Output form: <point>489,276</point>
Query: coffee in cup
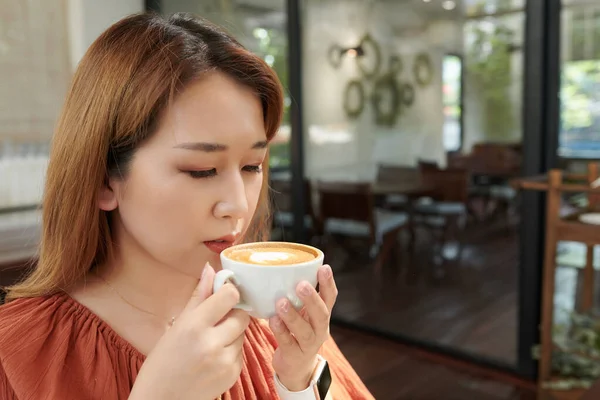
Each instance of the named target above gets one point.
<point>265,272</point>
<point>272,254</point>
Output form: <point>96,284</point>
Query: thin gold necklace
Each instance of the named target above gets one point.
<point>170,321</point>
<point>113,289</point>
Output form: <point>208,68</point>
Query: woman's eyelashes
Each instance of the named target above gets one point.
<point>253,168</point>
<point>203,174</point>
<point>208,173</point>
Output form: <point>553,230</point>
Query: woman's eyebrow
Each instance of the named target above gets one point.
<point>214,147</point>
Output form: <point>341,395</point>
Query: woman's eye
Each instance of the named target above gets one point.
<point>253,168</point>
<point>203,174</point>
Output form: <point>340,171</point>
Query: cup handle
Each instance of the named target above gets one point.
<point>221,278</point>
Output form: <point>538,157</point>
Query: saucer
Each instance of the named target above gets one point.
<point>590,218</point>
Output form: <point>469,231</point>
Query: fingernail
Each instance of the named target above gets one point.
<point>276,323</point>
<point>205,270</point>
<point>327,272</point>
<point>284,307</point>
<point>305,289</point>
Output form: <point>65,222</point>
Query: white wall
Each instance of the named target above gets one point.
<point>356,146</point>
<point>87,19</point>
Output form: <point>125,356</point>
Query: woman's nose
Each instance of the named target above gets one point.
<point>233,202</point>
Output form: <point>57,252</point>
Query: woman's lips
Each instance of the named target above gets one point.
<point>217,246</point>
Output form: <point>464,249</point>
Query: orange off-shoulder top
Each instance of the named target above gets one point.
<point>55,348</point>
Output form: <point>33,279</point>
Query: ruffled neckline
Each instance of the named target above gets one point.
<point>84,313</point>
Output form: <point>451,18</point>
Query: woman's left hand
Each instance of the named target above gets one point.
<point>300,334</point>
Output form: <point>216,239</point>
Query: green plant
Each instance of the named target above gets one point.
<point>273,49</point>
<point>488,62</point>
<point>576,354</point>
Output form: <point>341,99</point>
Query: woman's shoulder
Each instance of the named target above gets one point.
<point>32,314</point>
<point>34,323</point>
<point>21,318</point>
<point>29,325</point>
<point>55,345</point>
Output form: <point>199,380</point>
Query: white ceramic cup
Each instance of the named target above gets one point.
<point>261,286</point>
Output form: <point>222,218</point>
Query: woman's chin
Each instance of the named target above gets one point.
<point>215,262</point>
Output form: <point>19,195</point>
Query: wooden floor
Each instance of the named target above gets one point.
<point>469,306</point>
<point>395,372</point>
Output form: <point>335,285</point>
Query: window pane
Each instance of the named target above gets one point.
<point>382,107</point>
<point>452,92</point>
<point>579,135</point>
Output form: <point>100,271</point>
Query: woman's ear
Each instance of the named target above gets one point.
<point>107,198</point>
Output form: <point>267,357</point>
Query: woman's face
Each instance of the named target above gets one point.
<point>193,187</point>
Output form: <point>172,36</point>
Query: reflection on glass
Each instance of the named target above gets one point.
<point>491,7</point>
<point>272,47</point>
<point>492,65</point>
<point>452,93</point>
<point>384,138</point>
<point>596,34</point>
<point>579,135</point>
<point>580,110</point>
<point>579,36</point>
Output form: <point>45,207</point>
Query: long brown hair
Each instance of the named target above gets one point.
<point>123,83</point>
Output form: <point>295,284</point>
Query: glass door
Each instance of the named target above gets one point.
<point>413,131</point>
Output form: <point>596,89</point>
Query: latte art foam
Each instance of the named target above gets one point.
<point>268,257</point>
<point>271,255</point>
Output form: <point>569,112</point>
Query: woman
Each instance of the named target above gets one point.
<point>158,162</point>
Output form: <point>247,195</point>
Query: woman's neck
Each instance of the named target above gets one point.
<point>155,289</point>
<point>137,296</point>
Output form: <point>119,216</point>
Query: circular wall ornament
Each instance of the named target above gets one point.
<point>334,56</point>
<point>354,98</point>
<point>386,100</point>
<point>407,94</point>
<point>372,55</point>
<point>396,64</point>
<point>423,69</point>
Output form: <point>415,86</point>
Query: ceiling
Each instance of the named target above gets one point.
<point>271,13</point>
<point>402,13</point>
<point>425,7</point>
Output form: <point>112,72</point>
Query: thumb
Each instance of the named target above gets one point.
<point>204,288</point>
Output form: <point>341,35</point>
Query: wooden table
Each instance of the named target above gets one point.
<point>410,189</point>
<point>19,239</point>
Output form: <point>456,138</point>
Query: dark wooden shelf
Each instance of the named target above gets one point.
<point>20,208</point>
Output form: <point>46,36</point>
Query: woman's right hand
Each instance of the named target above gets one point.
<point>200,356</point>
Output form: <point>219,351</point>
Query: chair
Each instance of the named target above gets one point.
<point>561,227</point>
<point>492,165</point>
<point>348,209</point>
<point>281,201</point>
<point>446,212</point>
<point>396,173</point>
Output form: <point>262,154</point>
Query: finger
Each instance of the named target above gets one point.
<point>298,326</point>
<point>215,307</point>
<point>327,287</point>
<point>285,340</point>
<point>232,326</point>
<point>233,355</point>
<point>203,289</point>
<point>314,308</point>
<point>237,344</point>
